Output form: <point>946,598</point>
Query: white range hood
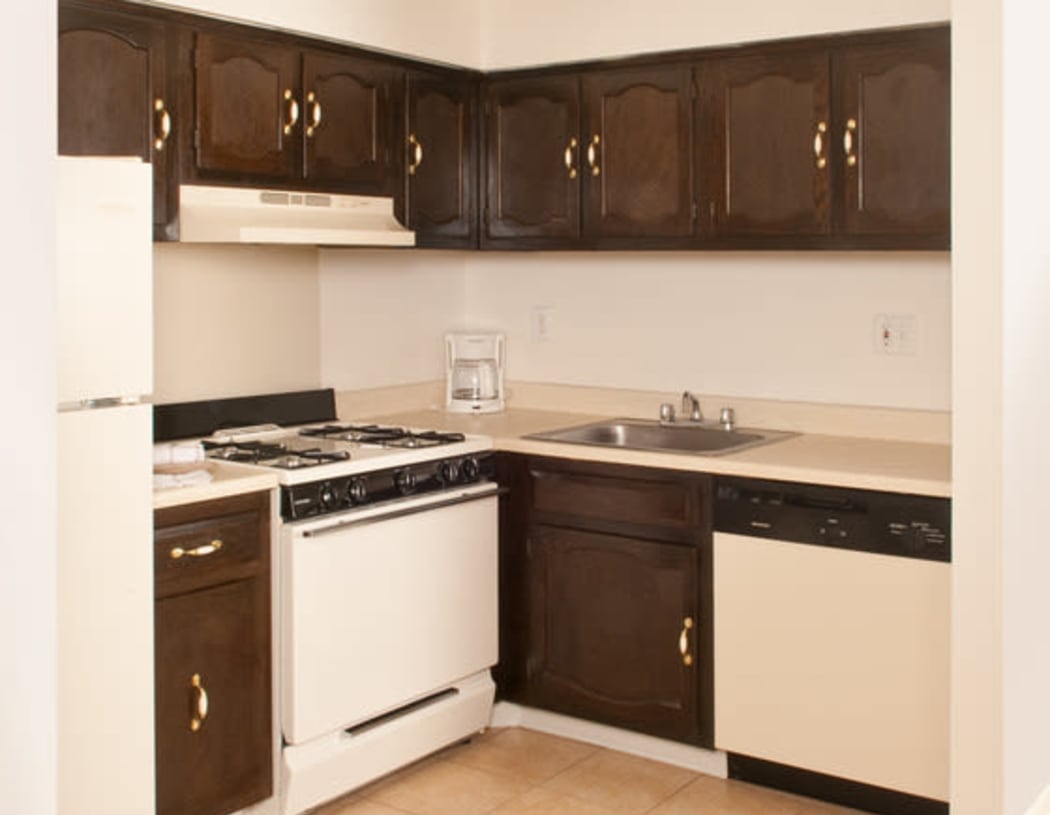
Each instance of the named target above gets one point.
<point>238,215</point>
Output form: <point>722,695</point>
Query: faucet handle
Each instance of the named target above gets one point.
<point>727,418</point>
<point>666,412</point>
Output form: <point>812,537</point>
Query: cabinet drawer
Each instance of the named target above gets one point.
<point>599,497</point>
<point>206,543</point>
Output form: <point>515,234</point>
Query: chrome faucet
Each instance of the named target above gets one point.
<point>691,407</point>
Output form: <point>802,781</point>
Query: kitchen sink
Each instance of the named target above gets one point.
<point>682,437</point>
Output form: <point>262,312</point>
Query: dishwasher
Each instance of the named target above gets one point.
<point>831,642</point>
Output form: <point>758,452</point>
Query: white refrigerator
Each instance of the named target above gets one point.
<point>105,519</point>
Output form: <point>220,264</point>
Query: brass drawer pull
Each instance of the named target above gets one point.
<point>162,127</point>
<point>417,154</point>
<point>203,550</point>
<point>818,145</point>
<point>847,142</point>
<point>569,151</point>
<point>315,114</point>
<point>200,703</point>
<point>683,641</point>
<point>592,155</point>
<point>293,112</point>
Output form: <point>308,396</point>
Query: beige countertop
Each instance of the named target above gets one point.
<point>227,479</point>
<point>845,461</point>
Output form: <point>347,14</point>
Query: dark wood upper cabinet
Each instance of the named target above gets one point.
<point>113,96</point>
<point>575,159</point>
<point>346,122</point>
<point>844,143</point>
<point>532,158</point>
<point>894,134</point>
<point>247,107</point>
<point>765,168</point>
<point>637,167</point>
<point>440,165</point>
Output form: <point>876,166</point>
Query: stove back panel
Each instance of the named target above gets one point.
<point>183,420</point>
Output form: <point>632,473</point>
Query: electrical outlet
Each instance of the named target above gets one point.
<point>542,323</point>
<point>895,334</point>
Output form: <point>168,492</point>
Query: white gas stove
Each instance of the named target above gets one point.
<point>387,585</point>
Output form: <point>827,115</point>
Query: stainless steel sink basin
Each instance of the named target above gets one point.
<point>683,437</point>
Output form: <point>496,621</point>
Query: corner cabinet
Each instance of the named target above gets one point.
<point>585,159</point>
<point>113,95</point>
<point>606,601</point>
<point>213,665</point>
<point>845,145</point>
<point>269,113</point>
<point>440,193</point>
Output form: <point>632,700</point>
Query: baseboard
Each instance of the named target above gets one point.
<point>709,762</point>
<point>833,789</point>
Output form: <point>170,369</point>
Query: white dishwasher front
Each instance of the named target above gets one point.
<point>831,632</point>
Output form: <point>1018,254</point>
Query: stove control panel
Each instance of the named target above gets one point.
<point>330,495</point>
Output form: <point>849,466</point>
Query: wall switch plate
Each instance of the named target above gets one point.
<point>895,334</point>
<point>542,323</point>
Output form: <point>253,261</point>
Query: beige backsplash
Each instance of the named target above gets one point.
<point>806,417</point>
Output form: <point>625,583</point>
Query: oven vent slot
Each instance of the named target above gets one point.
<point>404,710</point>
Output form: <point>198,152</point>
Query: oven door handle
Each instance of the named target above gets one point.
<point>340,526</point>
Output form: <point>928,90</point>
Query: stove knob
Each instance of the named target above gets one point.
<point>357,491</point>
<point>471,469</point>
<point>405,481</point>
<point>328,496</point>
<point>449,471</point>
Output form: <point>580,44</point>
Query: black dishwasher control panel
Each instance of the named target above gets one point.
<point>915,526</point>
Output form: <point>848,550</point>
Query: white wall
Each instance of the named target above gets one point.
<point>783,326</point>
<point>234,320</point>
<point>443,31</point>
<point>27,365</point>
<point>1026,406</point>
<point>515,33</point>
<point>384,315</point>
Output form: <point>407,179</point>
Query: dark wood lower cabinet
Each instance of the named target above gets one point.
<point>214,737</point>
<point>606,609</point>
<point>612,634</point>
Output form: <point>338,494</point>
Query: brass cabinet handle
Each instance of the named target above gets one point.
<point>683,641</point>
<point>200,703</point>
<point>592,155</point>
<point>417,154</point>
<point>569,151</point>
<point>315,114</point>
<point>293,112</point>
<point>162,124</point>
<point>203,550</point>
<point>818,145</point>
<point>847,142</point>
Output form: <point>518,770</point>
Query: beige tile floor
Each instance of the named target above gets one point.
<point>514,771</point>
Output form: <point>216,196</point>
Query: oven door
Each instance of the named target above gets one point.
<point>385,606</point>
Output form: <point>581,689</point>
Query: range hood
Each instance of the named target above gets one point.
<point>239,215</point>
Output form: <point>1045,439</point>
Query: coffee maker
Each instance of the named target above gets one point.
<point>474,372</point>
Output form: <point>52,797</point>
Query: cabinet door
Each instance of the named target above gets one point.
<point>532,156</point>
<point>441,164</point>
<point>213,657</point>
<point>894,132</point>
<point>637,153</point>
<point>112,98</point>
<point>767,155</point>
<point>346,123</point>
<point>247,109</point>
<point>612,628</point>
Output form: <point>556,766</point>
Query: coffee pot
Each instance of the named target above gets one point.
<point>474,372</point>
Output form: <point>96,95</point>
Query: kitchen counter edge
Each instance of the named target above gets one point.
<point>885,465</point>
<point>226,480</point>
